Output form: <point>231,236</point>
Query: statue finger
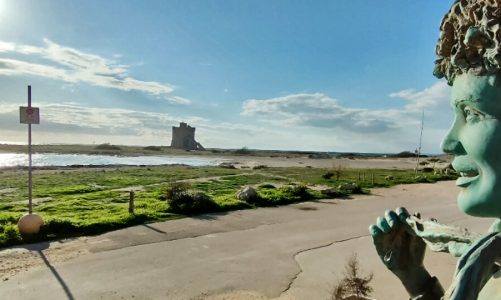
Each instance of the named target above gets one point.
<point>383,225</point>
<point>377,238</point>
<point>402,213</point>
<point>375,231</point>
<point>392,218</point>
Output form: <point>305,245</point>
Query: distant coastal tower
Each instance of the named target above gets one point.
<point>183,137</point>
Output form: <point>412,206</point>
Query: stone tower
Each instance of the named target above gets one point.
<point>183,137</point>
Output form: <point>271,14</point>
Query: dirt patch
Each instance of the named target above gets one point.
<point>19,259</point>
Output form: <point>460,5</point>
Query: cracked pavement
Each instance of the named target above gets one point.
<point>289,252</point>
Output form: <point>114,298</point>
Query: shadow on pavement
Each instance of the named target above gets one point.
<point>154,229</point>
<point>56,274</point>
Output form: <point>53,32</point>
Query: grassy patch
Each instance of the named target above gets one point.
<point>81,202</point>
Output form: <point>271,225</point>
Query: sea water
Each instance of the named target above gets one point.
<point>61,160</point>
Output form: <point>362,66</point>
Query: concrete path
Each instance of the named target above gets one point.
<point>291,252</point>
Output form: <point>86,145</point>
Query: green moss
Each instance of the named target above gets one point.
<point>80,202</point>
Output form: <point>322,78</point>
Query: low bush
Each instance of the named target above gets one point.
<point>182,200</point>
<point>267,186</point>
<point>107,146</point>
<point>353,284</point>
<point>153,148</point>
<point>175,189</point>
<point>283,195</point>
<point>9,234</point>
<point>243,151</point>
<point>327,175</point>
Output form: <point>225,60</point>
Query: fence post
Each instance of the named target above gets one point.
<point>372,178</point>
<point>131,202</point>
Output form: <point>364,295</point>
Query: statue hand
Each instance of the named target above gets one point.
<point>475,268</point>
<point>401,250</point>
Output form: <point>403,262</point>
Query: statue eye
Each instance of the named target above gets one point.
<point>472,115</point>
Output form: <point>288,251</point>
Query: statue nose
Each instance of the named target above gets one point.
<point>452,144</point>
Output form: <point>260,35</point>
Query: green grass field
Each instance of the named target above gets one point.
<point>81,202</point>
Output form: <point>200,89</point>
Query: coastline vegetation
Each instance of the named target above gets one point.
<point>110,149</point>
<point>88,201</point>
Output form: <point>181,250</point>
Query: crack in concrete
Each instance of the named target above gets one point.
<point>293,279</point>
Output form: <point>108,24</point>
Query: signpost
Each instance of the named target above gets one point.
<point>30,223</point>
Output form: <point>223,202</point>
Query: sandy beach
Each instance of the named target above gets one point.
<point>342,162</point>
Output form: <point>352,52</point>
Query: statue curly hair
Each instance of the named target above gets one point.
<point>470,40</point>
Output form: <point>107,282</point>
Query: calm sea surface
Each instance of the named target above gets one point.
<point>43,160</point>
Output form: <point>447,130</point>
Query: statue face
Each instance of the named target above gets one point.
<point>475,141</point>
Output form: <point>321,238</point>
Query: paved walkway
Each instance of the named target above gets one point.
<point>291,252</point>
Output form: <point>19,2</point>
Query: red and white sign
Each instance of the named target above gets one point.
<point>29,115</point>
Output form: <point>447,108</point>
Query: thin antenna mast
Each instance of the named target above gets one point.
<point>420,143</point>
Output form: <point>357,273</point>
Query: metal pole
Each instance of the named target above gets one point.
<point>420,141</point>
<point>29,158</point>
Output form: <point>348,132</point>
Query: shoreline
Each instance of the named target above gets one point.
<point>276,161</point>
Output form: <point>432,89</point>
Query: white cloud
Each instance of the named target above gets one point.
<point>318,110</point>
<point>74,66</point>
<point>429,99</point>
<point>7,47</point>
<point>359,129</point>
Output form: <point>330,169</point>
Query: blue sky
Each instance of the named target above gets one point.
<point>305,75</point>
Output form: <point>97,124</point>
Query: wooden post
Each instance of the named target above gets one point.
<point>363,177</point>
<point>131,202</point>
<point>372,178</point>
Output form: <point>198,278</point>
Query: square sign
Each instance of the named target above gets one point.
<point>29,115</point>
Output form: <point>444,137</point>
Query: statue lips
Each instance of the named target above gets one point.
<point>467,170</point>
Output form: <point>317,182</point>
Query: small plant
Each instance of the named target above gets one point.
<point>176,189</point>
<point>353,283</point>
<point>338,169</point>
<point>259,167</point>
<point>184,201</point>
<point>107,146</point>
<point>152,148</point>
<point>9,234</point>
<point>328,175</point>
<point>243,151</point>
<point>267,186</point>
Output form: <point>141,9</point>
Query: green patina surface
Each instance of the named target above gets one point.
<point>468,57</point>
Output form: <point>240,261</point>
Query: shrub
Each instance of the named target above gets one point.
<point>184,201</point>
<point>175,189</point>
<point>283,195</point>
<point>243,151</point>
<point>9,235</point>
<point>59,227</point>
<point>353,282</point>
<point>267,186</point>
<point>259,167</point>
<point>107,146</point>
<point>153,148</point>
<point>192,203</point>
<point>328,175</point>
